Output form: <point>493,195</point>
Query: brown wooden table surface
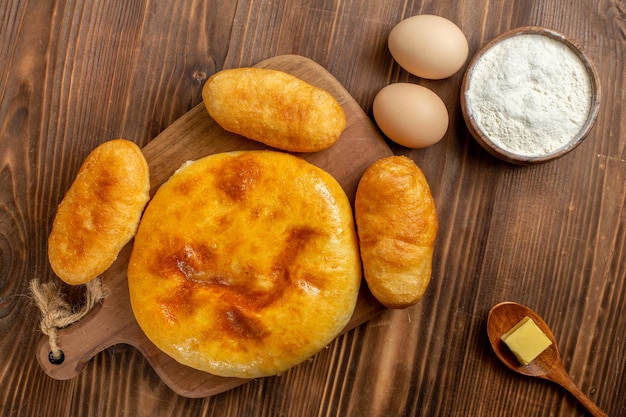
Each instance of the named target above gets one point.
<point>553,236</point>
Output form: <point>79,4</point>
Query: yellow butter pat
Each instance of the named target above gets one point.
<point>526,340</point>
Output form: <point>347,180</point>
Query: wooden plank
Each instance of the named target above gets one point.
<point>77,73</point>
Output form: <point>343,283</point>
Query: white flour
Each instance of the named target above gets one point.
<point>530,94</point>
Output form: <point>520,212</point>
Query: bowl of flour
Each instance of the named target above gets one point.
<point>530,95</point>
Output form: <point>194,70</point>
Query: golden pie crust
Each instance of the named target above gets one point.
<point>100,212</point>
<point>397,226</point>
<point>274,108</point>
<point>245,263</point>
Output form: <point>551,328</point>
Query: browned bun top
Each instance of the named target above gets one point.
<point>100,212</point>
<point>275,108</point>
<point>397,227</point>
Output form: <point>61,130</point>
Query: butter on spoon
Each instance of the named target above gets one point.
<point>546,365</point>
<point>526,340</point>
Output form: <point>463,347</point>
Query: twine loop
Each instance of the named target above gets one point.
<point>57,313</point>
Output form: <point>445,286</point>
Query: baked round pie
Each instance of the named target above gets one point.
<point>245,263</point>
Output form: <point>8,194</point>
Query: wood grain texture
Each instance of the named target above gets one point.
<point>75,73</point>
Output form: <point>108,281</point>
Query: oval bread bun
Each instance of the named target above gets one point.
<point>100,212</point>
<point>245,264</point>
<point>274,108</point>
<point>397,226</point>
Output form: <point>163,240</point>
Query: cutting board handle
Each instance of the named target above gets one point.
<point>105,325</point>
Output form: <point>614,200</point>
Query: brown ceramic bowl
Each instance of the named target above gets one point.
<point>483,139</point>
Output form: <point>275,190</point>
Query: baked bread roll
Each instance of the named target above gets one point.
<point>274,108</point>
<point>100,212</point>
<point>245,264</point>
<point>397,225</point>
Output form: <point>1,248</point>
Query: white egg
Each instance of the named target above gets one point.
<point>428,46</point>
<point>410,115</point>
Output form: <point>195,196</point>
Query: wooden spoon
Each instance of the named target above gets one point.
<point>548,365</point>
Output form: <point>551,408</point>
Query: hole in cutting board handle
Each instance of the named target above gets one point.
<point>56,361</point>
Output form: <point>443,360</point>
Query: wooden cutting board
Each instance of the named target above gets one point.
<point>191,137</point>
